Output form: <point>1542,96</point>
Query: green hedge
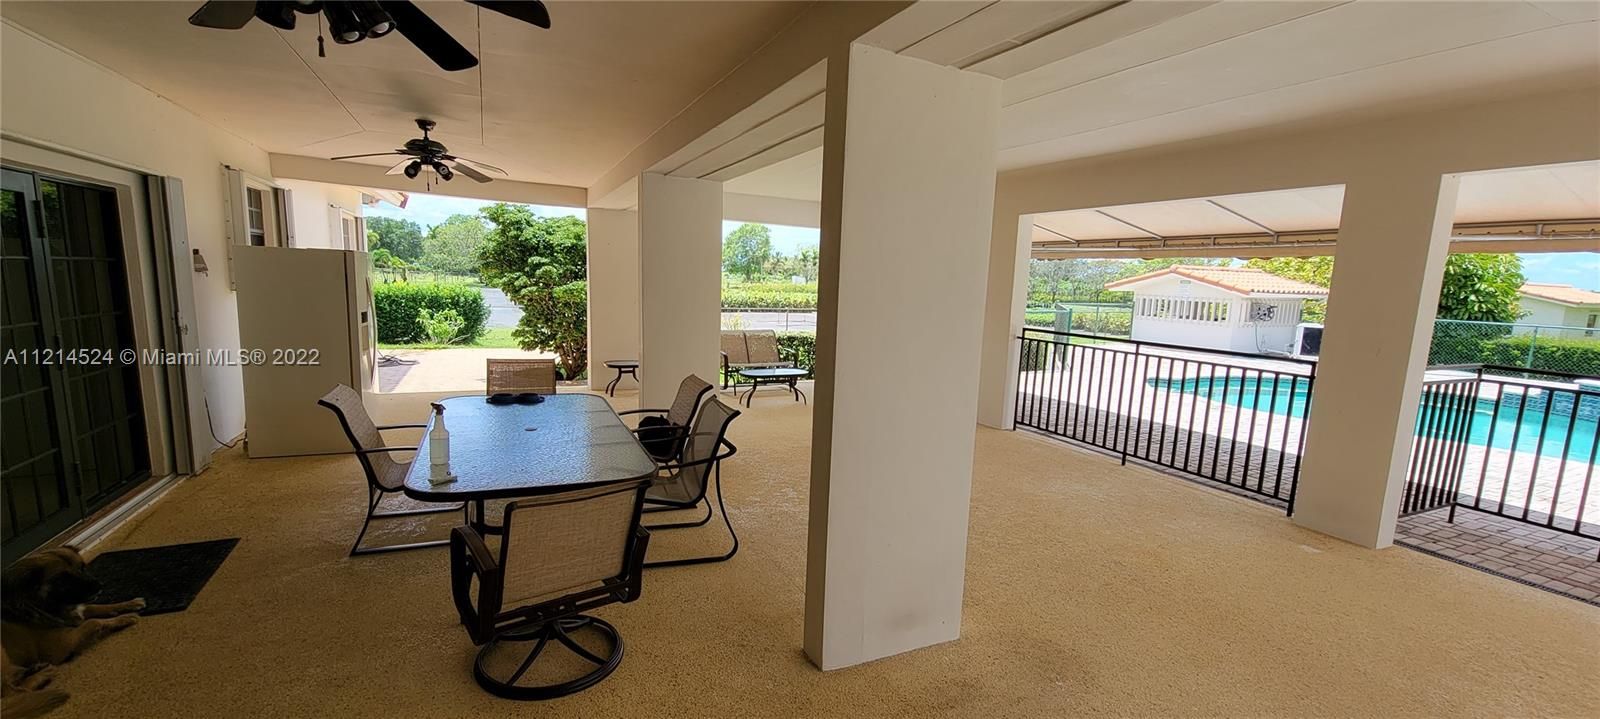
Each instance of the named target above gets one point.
<point>1115,324</point>
<point>799,348</point>
<point>1578,356</point>
<point>766,297</point>
<point>396,305</point>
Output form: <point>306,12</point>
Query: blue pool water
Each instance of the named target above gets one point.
<point>1290,397</point>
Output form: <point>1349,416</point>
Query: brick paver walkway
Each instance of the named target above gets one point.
<point>1540,557</point>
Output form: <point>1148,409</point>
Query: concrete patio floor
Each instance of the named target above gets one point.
<point>458,370</point>
<point>1091,590</point>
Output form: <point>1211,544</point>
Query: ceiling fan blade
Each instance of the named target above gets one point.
<point>370,154</point>
<point>399,168</point>
<point>474,163</point>
<point>426,34</point>
<point>469,171</point>
<point>224,14</point>
<point>528,12</point>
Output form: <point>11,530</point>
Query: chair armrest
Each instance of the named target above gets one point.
<point>378,450</point>
<point>402,426</point>
<point>718,457</point>
<point>641,411</point>
<point>635,567</point>
<point>469,557</point>
<point>476,551</point>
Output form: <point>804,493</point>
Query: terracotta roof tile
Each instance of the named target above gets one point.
<point>1246,281</point>
<point>1565,294</point>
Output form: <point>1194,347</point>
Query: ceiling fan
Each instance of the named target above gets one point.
<point>423,152</point>
<point>351,21</point>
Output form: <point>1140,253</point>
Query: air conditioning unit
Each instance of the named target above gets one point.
<point>1307,339</point>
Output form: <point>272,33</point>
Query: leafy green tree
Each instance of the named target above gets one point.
<point>542,265</point>
<point>1475,287</point>
<point>1481,287</point>
<point>746,250</point>
<point>402,238</point>
<point>452,246</point>
<point>1312,270</point>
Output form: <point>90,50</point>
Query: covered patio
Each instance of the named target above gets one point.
<point>1079,603</point>
<point>905,550</point>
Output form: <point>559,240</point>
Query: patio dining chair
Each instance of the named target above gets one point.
<point>520,375</point>
<point>560,555</point>
<point>663,441</point>
<point>683,483</point>
<point>385,474</point>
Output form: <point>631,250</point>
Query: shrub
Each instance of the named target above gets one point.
<point>799,348</point>
<point>398,307</point>
<point>1578,356</point>
<point>766,297</point>
<point>442,327</point>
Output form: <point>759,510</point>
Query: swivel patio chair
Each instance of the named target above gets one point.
<point>682,484</point>
<point>663,442</point>
<point>560,555</point>
<point>520,375</point>
<point>385,474</point>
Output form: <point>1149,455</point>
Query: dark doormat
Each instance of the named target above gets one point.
<point>168,578</point>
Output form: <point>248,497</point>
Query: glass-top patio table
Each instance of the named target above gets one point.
<point>566,442</point>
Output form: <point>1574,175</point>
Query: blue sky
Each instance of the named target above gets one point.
<point>1580,269</point>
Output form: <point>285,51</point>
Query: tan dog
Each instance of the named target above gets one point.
<point>45,620</point>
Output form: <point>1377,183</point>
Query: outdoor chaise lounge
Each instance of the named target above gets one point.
<point>748,349</point>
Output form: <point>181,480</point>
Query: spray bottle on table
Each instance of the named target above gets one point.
<point>439,449</point>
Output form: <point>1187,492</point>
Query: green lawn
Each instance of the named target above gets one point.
<point>498,338</point>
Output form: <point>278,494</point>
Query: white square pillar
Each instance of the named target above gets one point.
<point>613,292</point>
<point>1010,248</point>
<point>1393,237</point>
<point>680,283</point>
<point>908,190</point>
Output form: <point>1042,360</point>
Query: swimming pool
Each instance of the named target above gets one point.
<point>1291,397</point>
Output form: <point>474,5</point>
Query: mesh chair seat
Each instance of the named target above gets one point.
<point>520,375</point>
<point>683,484</point>
<point>385,471</point>
<point>559,555</point>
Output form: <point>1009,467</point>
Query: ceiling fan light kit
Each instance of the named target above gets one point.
<point>351,21</point>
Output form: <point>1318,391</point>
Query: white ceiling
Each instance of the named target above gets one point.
<point>557,106</point>
<point>1555,192</point>
<point>797,178</point>
<point>1096,77</point>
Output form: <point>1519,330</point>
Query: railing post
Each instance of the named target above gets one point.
<point>1532,343</point>
<point>1128,415</point>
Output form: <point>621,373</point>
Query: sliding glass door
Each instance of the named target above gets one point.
<point>72,431</point>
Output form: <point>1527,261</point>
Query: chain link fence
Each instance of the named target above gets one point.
<point>1542,347</point>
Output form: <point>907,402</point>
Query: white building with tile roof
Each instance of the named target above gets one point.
<point>1240,309</point>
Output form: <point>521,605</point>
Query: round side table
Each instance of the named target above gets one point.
<point>623,367</point>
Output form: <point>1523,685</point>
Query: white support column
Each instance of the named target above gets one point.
<point>680,283</point>
<point>613,293</point>
<point>1010,247</point>
<point>908,190</point>
<point>1393,237</point>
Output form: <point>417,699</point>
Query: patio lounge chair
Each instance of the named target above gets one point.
<point>663,442</point>
<point>521,375</point>
<point>682,484</point>
<point>385,474</point>
<point>561,555</point>
<point>748,349</point>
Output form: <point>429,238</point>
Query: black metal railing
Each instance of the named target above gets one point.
<point>1439,445</point>
<point>1525,450</point>
<point>1233,418</point>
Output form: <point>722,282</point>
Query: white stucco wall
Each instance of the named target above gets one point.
<point>316,213</point>
<point>58,99</point>
<point>614,328</point>
<point>1544,312</point>
<point>1237,334</point>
